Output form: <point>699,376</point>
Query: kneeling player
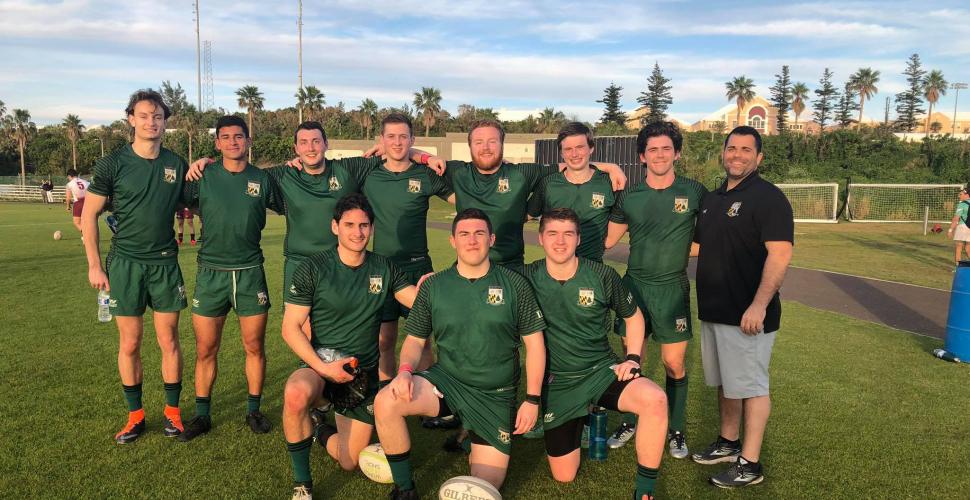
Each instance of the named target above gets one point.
<point>577,295</point>
<point>342,291</point>
<point>479,314</point>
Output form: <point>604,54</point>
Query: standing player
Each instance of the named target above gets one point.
<point>234,196</point>
<point>400,190</point>
<point>74,191</point>
<point>479,314</point>
<point>659,211</point>
<point>580,187</point>
<point>182,215</point>
<point>745,233</point>
<point>144,181</point>
<point>341,291</point>
<point>959,230</point>
<point>576,295</point>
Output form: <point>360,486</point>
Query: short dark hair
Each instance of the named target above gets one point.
<point>310,125</point>
<point>70,173</point>
<point>232,121</point>
<point>397,118</point>
<point>659,129</point>
<point>471,213</point>
<point>486,122</point>
<point>574,128</point>
<point>352,201</point>
<point>563,214</point>
<point>745,130</point>
<point>147,95</point>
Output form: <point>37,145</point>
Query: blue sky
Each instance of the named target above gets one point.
<point>86,56</point>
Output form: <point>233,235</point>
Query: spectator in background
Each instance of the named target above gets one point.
<point>959,230</point>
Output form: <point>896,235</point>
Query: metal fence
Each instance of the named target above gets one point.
<point>621,150</point>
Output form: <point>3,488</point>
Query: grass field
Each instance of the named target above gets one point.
<point>860,410</point>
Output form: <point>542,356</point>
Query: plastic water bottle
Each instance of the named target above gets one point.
<point>329,355</point>
<point>104,303</point>
<point>597,435</point>
<point>584,442</point>
<point>945,355</point>
<point>112,223</point>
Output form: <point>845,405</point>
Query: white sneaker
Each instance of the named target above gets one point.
<point>621,435</point>
<point>301,492</point>
<point>677,443</point>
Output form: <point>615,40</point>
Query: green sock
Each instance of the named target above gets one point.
<point>172,393</point>
<point>300,460</point>
<point>252,402</point>
<point>203,405</point>
<point>676,389</point>
<point>630,419</point>
<point>646,478</point>
<point>401,470</point>
<point>133,396</point>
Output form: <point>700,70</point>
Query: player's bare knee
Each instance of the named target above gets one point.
<point>254,348</point>
<point>129,346</point>
<point>386,405</point>
<point>296,397</point>
<point>650,401</point>
<point>564,476</point>
<point>675,368</point>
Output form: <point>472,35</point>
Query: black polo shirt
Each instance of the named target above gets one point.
<point>732,229</point>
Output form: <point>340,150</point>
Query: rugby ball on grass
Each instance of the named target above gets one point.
<point>57,235</point>
<point>374,465</point>
<point>468,488</point>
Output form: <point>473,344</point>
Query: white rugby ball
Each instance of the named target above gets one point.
<point>374,464</point>
<point>57,235</point>
<point>468,487</point>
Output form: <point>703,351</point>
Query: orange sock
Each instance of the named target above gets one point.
<point>174,414</point>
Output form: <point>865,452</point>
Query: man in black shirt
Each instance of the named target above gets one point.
<point>743,242</point>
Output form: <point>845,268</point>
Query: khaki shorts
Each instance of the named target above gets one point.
<point>735,361</point>
<point>135,286</point>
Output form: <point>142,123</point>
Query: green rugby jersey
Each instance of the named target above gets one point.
<point>591,200</point>
<point>309,201</point>
<point>503,196</point>
<point>144,194</point>
<point>234,206</point>
<point>477,324</point>
<point>577,313</point>
<point>661,226</point>
<point>400,201</point>
<point>345,303</point>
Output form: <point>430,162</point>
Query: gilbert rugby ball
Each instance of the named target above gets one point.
<point>468,488</point>
<point>57,235</point>
<point>374,465</point>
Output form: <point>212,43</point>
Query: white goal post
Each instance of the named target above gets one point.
<point>902,202</point>
<point>813,202</point>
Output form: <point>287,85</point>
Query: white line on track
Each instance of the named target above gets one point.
<point>873,279</point>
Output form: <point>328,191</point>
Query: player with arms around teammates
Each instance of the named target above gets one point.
<point>660,210</point>
<point>576,296</point>
<point>144,181</point>
<point>341,291</point>
<point>234,196</point>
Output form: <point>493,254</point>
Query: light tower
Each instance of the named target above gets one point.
<point>198,57</point>
<point>209,91</point>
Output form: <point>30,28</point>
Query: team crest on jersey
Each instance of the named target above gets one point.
<point>334,183</point>
<point>586,297</point>
<point>169,175</point>
<point>681,325</point>
<point>599,200</point>
<point>503,185</point>
<point>252,189</point>
<point>376,285</point>
<point>504,436</point>
<point>261,298</point>
<point>495,296</point>
<point>734,210</point>
<point>414,185</point>
<point>681,205</point>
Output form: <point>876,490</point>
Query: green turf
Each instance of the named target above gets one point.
<point>860,410</point>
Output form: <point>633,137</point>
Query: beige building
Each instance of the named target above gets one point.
<point>946,122</point>
<point>519,148</point>
<point>634,120</point>
<point>757,113</point>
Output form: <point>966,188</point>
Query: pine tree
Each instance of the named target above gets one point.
<point>827,98</point>
<point>909,103</point>
<point>611,103</point>
<point>847,106</point>
<point>781,97</point>
<point>657,98</point>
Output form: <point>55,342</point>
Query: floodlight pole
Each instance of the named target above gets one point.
<point>299,57</point>
<point>956,98</point>
<point>198,57</point>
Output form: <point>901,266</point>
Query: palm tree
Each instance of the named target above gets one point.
<point>428,102</point>
<point>367,109</point>
<point>192,123</point>
<point>252,99</point>
<point>864,82</point>
<point>741,89</point>
<point>22,130</point>
<point>73,127</point>
<point>934,86</point>
<point>310,100</point>
<point>799,95</point>
<point>550,120</point>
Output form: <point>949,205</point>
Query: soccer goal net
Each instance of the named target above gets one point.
<point>813,202</point>
<point>902,202</point>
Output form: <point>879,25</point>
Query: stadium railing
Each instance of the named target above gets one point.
<point>16,192</point>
